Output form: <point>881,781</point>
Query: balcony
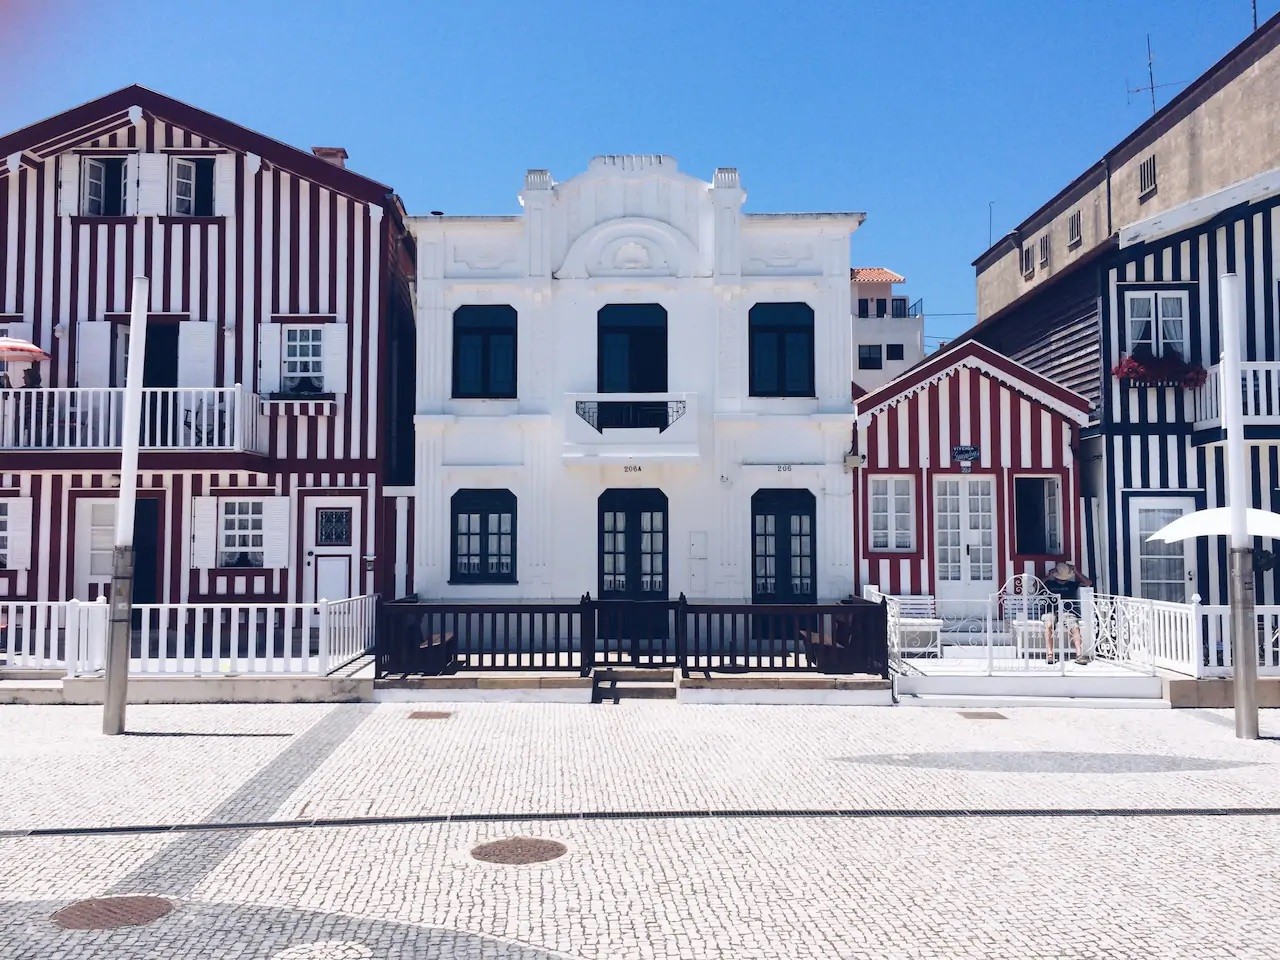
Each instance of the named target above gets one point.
<point>1260,391</point>
<point>625,426</point>
<point>218,419</point>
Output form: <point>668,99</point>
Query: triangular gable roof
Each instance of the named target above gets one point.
<point>98,117</point>
<point>975,356</point>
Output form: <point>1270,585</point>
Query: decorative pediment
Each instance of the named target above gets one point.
<point>630,247</point>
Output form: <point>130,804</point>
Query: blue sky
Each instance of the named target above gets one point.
<point>918,113</point>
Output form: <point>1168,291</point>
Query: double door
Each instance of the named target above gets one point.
<point>634,620</point>
<point>964,534</point>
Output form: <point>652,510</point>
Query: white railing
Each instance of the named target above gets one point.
<point>1260,391</point>
<point>1213,642</point>
<point>92,418</point>
<point>1134,630</point>
<point>349,629</point>
<point>36,635</point>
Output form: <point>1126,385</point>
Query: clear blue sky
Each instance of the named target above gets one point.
<point>918,113</point>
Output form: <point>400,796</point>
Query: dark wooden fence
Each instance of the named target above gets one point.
<point>433,637</point>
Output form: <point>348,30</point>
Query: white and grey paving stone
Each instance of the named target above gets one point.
<point>989,886</point>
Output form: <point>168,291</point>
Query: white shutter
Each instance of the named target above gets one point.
<point>275,532</point>
<point>335,357</point>
<point>268,358</point>
<point>18,329</point>
<point>93,353</point>
<point>19,556</point>
<point>153,184</point>
<point>224,185</point>
<point>68,185</point>
<point>204,532</point>
<point>131,185</point>
<point>196,355</point>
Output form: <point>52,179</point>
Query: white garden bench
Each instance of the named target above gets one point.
<point>919,626</point>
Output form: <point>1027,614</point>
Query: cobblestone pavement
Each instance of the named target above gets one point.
<point>774,885</point>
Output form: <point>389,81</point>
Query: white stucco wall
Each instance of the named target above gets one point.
<point>633,229</point>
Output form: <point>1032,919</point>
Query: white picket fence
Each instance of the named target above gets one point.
<point>192,639</point>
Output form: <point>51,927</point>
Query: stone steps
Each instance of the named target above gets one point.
<point>615,684</point>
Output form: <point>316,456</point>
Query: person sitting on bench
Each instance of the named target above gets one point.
<point>1065,583</point>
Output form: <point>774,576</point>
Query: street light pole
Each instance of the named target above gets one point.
<point>121,629</point>
<point>1244,621</point>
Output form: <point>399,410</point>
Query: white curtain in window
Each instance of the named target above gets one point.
<point>1140,333</point>
<point>1172,324</point>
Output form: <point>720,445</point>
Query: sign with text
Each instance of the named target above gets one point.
<point>966,456</point>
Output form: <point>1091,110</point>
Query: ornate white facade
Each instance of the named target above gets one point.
<point>572,445</point>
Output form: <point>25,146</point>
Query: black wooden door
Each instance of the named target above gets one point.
<point>632,624</point>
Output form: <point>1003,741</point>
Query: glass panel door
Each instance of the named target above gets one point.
<point>1162,571</point>
<point>964,538</point>
<point>783,524</point>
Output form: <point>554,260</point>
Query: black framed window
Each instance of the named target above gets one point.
<point>484,352</point>
<point>484,536</point>
<point>631,348</point>
<point>864,307</point>
<point>893,351</point>
<point>882,307</point>
<point>870,357</point>
<point>781,350</point>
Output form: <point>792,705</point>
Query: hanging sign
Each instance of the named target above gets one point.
<point>965,456</point>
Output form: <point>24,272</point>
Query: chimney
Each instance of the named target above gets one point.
<point>335,155</point>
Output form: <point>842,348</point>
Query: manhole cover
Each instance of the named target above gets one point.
<point>519,850</point>
<point>430,715</point>
<point>982,715</point>
<point>107,913</point>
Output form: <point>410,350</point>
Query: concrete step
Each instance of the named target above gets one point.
<point>995,703</point>
<point>32,692</point>
<point>614,692</point>
<point>32,673</point>
<point>635,675</point>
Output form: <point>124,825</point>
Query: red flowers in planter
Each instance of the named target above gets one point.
<point>1167,370</point>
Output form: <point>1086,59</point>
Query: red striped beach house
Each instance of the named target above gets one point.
<point>279,302</point>
<point>969,475</point>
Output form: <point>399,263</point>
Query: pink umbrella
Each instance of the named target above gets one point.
<point>22,351</point>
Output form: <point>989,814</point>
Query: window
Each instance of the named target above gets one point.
<point>484,352</point>
<point>302,371</point>
<point>898,308</point>
<point>4,535</point>
<point>864,307</point>
<point>1038,515</point>
<point>1147,177</point>
<point>892,513</point>
<point>192,187</point>
<point>781,350</point>
<point>869,357</point>
<point>1044,251</point>
<point>631,348</point>
<point>893,351</point>
<point>104,190</point>
<point>484,536</point>
<point>1028,262</point>
<point>333,527</point>
<point>1074,236</point>
<point>882,307</point>
<point>1156,322</point>
<point>240,544</point>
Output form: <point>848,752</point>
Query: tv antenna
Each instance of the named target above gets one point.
<point>1151,86</point>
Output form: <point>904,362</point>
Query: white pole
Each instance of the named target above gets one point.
<point>1244,625</point>
<point>121,632</point>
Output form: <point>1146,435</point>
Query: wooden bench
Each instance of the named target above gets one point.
<point>437,652</point>
<point>919,626</point>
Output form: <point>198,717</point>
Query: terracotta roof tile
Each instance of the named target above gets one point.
<point>875,275</point>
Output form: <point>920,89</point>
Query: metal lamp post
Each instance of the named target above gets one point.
<point>121,629</point>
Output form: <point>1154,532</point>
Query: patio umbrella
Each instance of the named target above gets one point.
<point>1217,523</point>
<point>22,351</point>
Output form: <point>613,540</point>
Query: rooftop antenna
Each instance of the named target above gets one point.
<point>1151,86</point>
<point>1255,14</point>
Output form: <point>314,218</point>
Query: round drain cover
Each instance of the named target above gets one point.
<point>519,850</point>
<point>107,913</point>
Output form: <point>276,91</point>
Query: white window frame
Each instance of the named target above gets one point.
<point>1028,262</point>
<point>1044,251</point>
<point>1074,235</point>
<point>184,172</point>
<point>308,365</point>
<point>899,528</point>
<point>240,537</point>
<point>4,535</point>
<point>90,166</point>
<point>1157,341</point>
<point>1147,182</point>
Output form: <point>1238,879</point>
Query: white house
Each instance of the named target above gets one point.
<point>634,389</point>
<point>888,329</point>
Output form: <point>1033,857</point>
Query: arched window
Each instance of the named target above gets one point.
<point>781,349</point>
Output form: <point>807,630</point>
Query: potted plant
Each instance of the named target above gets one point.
<point>1169,369</point>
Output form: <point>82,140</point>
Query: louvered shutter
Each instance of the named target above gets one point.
<point>93,353</point>
<point>269,358</point>
<point>153,184</point>
<point>196,353</point>
<point>224,184</point>
<point>204,532</point>
<point>68,185</point>
<point>275,532</point>
<point>19,517</point>
<point>335,357</point>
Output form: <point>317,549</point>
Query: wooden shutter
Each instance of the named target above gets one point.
<point>204,532</point>
<point>269,358</point>
<point>224,184</point>
<point>153,184</point>
<point>335,357</point>
<point>275,532</point>
<point>93,353</point>
<point>196,354</point>
<point>131,185</point>
<point>19,555</point>
<point>68,185</point>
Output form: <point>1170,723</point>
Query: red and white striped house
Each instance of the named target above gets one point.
<point>279,304</point>
<point>969,475</point>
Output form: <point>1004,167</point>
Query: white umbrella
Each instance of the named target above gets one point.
<point>1217,523</point>
<point>23,351</point>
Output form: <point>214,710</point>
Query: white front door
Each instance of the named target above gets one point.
<point>331,527</point>
<point>95,537</point>
<point>964,538</point>
<point>1161,571</point>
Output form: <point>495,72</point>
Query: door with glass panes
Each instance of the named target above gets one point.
<point>964,538</point>
<point>783,525</point>
<point>1161,571</point>
<point>633,577</point>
